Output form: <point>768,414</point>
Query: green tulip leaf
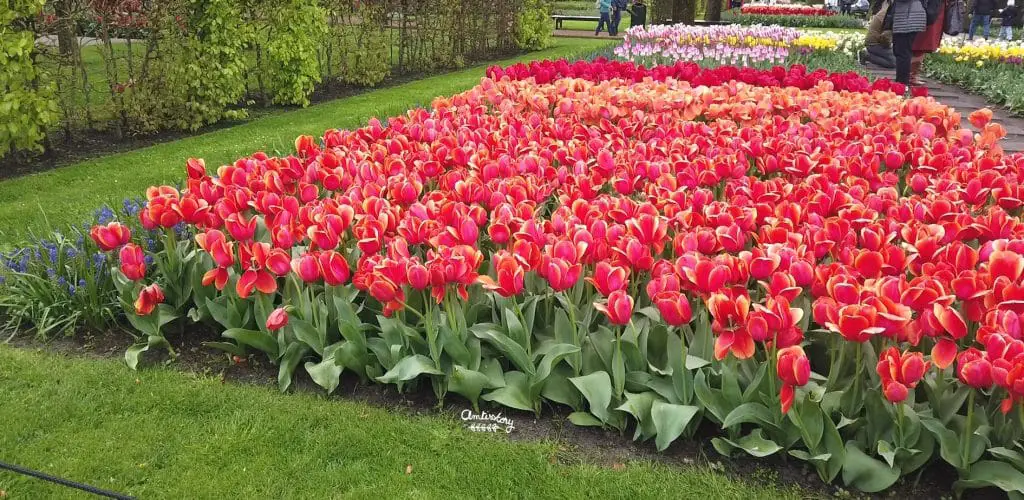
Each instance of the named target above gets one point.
<point>597,390</point>
<point>670,420</point>
<point>255,339</point>
<point>509,347</point>
<point>409,368</point>
<point>584,419</point>
<point>515,393</point>
<point>992,473</point>
<point>468,383</point>
<point>748,413</point>
<point>289,361</point>
<point>865,473</point>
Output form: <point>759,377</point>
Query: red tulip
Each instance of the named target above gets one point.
<point>418,277</point>
<point>240,228</point>
<point>619,308</point>
<point>333,267</point>
<point>974,370</point>
<point>279,262</point>
<point>148,299</point>
<point>111,236</point>
<point>133,262</point>
<point>674,307</point>
<point>277,319</point>
<point>307,267</point>
<point>608,278</point>
<point>856,323</point>
<point>511,275</point>
<point>255,279</point>
<point>218,276</point>
<point>900,372</point>
<point>794,369</point>
<point>196,168</point>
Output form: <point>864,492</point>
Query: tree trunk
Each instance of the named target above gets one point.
<point>67,41</point>
<point>683,11</point>
<point>714,10</point>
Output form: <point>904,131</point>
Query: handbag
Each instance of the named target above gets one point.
<point>954,22</point>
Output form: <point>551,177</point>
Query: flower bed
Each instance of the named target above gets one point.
<point>982,52</point>
<point>785,10</point>
<point>818,266</point>
<point>829,274</point>
<point>991,69</point>
<point>794,20</point>
<point>600,70</point>
<point>727,44</point>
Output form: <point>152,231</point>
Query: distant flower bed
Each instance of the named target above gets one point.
<point>830,20</point>
<point>785,10</point>
<point>728,44</point>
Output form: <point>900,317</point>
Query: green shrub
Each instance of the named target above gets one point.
<point>534,26</point>
<point>27,107</point>
<point>290,32</point>
<point>199,74</point>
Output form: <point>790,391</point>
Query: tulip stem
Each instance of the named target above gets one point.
<point>967,431</point>
<point>899,425</point>
<point>571,310</point>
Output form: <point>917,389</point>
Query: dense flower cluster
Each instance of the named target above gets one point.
<point>980,52</point>
<point>726,44</point>
<point>602,69</point>
<point>847,43</point>
<point>636,247</point>
<point>785,10</point>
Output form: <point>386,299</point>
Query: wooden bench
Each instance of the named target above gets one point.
<point>559,18</point>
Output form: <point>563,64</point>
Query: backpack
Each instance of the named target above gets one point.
<point>954,22</point>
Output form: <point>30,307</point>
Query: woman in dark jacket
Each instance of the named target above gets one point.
<point>927,42</point>
<point>908,20</point>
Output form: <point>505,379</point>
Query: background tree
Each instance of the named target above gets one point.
<point>684,11</point>
<point>714,10</point>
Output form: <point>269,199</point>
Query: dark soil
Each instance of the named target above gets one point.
<point>575,444</point>
<point>89,144</point>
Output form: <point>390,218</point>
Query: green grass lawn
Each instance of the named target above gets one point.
<point>70,194</point>
<point>160,433</point>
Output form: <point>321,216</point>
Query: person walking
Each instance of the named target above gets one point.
<point>981,15</point>
<point>638,14</point>
<point>909,19</point>
<point>929,40</point>
<point>617,7</point>
<point>604,7</point>
<point>1009,18</point>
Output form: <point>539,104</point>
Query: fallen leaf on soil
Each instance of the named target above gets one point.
<point>408,469</point>
<point>3,494</point>
<point>618,466</point>
<point>137,381</point>
<point>552,460</point>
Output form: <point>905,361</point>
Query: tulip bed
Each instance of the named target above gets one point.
<point>808,261</point>
<point>989,68</point>
<point>785,10</point>
<point>833,21</point>
<point>756,46</point>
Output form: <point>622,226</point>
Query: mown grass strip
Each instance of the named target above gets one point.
<point>160,433</point>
